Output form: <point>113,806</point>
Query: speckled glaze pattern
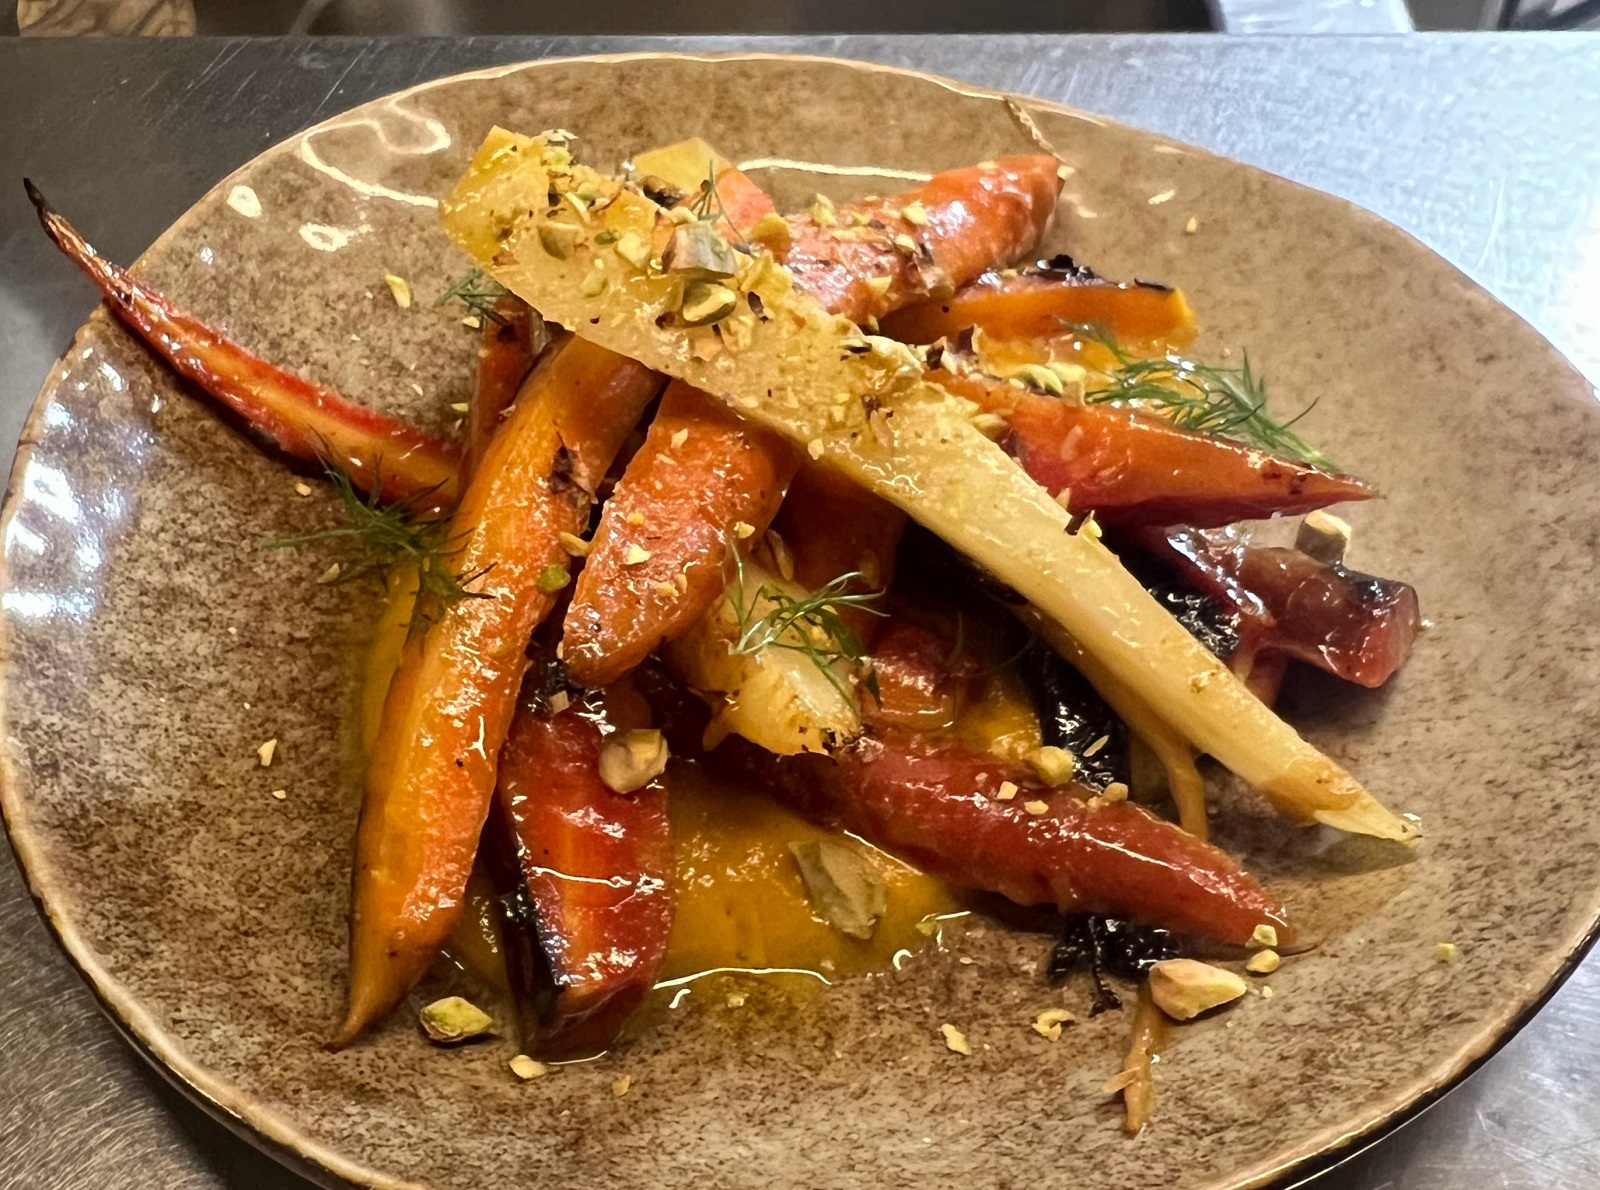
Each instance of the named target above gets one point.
<point>152,643</point>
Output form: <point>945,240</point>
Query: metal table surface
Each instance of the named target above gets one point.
<point>1487,147</point>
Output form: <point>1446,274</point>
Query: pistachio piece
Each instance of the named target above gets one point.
<point>844,888</point>
<point>453,1019</point>
<point>1324,536</point>
<point>527,1069</point>
<point>634,249</point>
<point>1263,962</point>
<point>630,760</point>
<point>1048,1023</point>
<point>552,578</point>
<point>823,212</point>
<point>697,248</point>
<point>773,230</point>
<point>1039,378</point>
<point>955,1040</point>
<point>1054,765</point>
<point>705,302</point>
<point>594,281</point>
<point>1264,935</point>
<point>1184,988</point>
<point>558,239</point>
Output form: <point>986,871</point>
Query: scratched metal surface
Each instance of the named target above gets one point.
<point>1485,147</point>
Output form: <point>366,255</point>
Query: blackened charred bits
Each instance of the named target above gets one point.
<point>1107,946</point>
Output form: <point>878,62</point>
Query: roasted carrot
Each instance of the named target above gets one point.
<point>866,259</point>
<point>506,351</point>
<point>1136,468</point>
<point>935,804</point>
<point>304,420</point>
<point>452,700</point>
<point>595,867</point>
<point>1038,303</point>
<point>663,533</point>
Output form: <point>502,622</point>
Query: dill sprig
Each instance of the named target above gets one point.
<point>809,625</point>
<point>707,207</point>
<point>1229,402</point>
<point>478,293</point>
<point>392,535</point>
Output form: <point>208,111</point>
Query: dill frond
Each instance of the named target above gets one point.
<point>707,207</point>
<point>1228,402</point>
<point>478,293</point>
<point>809,625</point>
<point>390,535</point>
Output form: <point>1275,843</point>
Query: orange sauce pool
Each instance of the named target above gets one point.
<point>741,906</point>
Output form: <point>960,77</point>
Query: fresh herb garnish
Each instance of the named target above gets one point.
<point>1230,402</point>
<point>478,293</point>
<point>391,535</point>
<point>810,625</point>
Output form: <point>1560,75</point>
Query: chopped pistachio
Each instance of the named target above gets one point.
<point>575,546</point>
<point>330,575</point>
<point>1116,791</point>
<point>773,230</point>
<point>634,249</point>
<point>1263,962</point>
<point>527,1069</point>
<point>1184,988</point>
<point>844,888</point>
<point>1264,935</point>
<point>280,794</point>
<point>635,555</point>
<point>1192,226</point>
<point>1324,536</point>
<point>1048,1023</point>
<point>594,281</point>
<point>879,285</point>
<point>400,289</point>
<point>1072,376</point>
<point>743,530</point>
<point>266,752</point>
<point>1101,741</point>
<point>1036,808</point>
<point>558,702</point>
<point>1007,791</point>
<point>605,236</point>
<point>956,1040</point>
<point>619,1088</point>
<point>1446,952</point>
<point>814,448</point>
<point>1054,765</point>
<point>1039,378</point>
<point>906,244</point>
<point>736,999</point>
<point>697,248</point>
<point>823,212</point>
<point>705,302</point>
<point>579,206</point>
<point>1266,992</point>
<point>553,577</point>
<point>630,760</point>
<point>914,213</point>
<point>558,239</point>
<point>453,1019</point>
<point>681,216</point>
<point>635,518</point>
<point>679,437</point>
<point>302,489</point>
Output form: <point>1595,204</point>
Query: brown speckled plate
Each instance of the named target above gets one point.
<point>152,644</point>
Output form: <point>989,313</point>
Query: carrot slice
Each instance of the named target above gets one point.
<point>452,700</point>
<point>506,350</point>
<point>1036,305</point>
<point>865,259</point>
<point>378,452</point>
<point>595,869</point>
<point>657,564</point>
<point>1138,469</point>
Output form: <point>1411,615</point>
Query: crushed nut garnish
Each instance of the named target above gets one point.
<point>1192,226</point>
<point>400,290</point>
<point>552,578</point>
<point>706,302</point>
<point>527,1069</point>
<point>1114,792</point>
<point>906,244</point>
<point>1097,745</point>
<point>679,437</point>
<point>879,285</point>
<point>1184,988</point>
<point>956,1040</point>
<point>302,489</point>
<point>990,425</point>
<point>1263,962</point>
<point>665,589</point>
<point>329,575</point>
<point>634,518</point>
<point>1324,536</point>
<point>736,999</point>
<point>453,1019</point>
<point>1446,952</point>
<point>620,1087</point>
<point>843,886</point>
<point>558,239</point>
<point>266,752</point>
<point>558,702</point>
<point>635,555</point>
<point>1036,807</point>
<point>1266,992</point>
<point>630,760</point>
<point>634,249</point>
<point>914,213</point>
<point>1264,935</point>
<point>823,212</point>
<point>1040,379</point>
<point>743,530</point>
<point>1054,765</point>
<point>472,322</point>
<point>280,794</point>
<point>1048,1023</point>
<point>461,407</point>
<point>1006,791</point>
<point>575,546</point>
<point>814,448</point>
<point>594,281</point>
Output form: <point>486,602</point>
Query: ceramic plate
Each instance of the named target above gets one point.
<point>152,644</point>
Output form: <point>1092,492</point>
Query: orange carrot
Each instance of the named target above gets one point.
<point>663,532</point>
<point>873,257</point>
<point>743,202</point>
<point>302,419</point>
<point>1139,469</point>
<point>452,700</point>
<point>1036,305</point>
<point>506,351</point>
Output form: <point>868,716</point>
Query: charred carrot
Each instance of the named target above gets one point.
<point>506,350</point>
<point>452,700</point>
<point>304,420</point>
<point>939,806</point>
<point>866,259</point>
<point>1038,303</point>
<point>595,867</point>
<point>1136,468</point>
<point>701,476</point>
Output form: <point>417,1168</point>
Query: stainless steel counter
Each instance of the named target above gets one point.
<point>1487,147</point>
